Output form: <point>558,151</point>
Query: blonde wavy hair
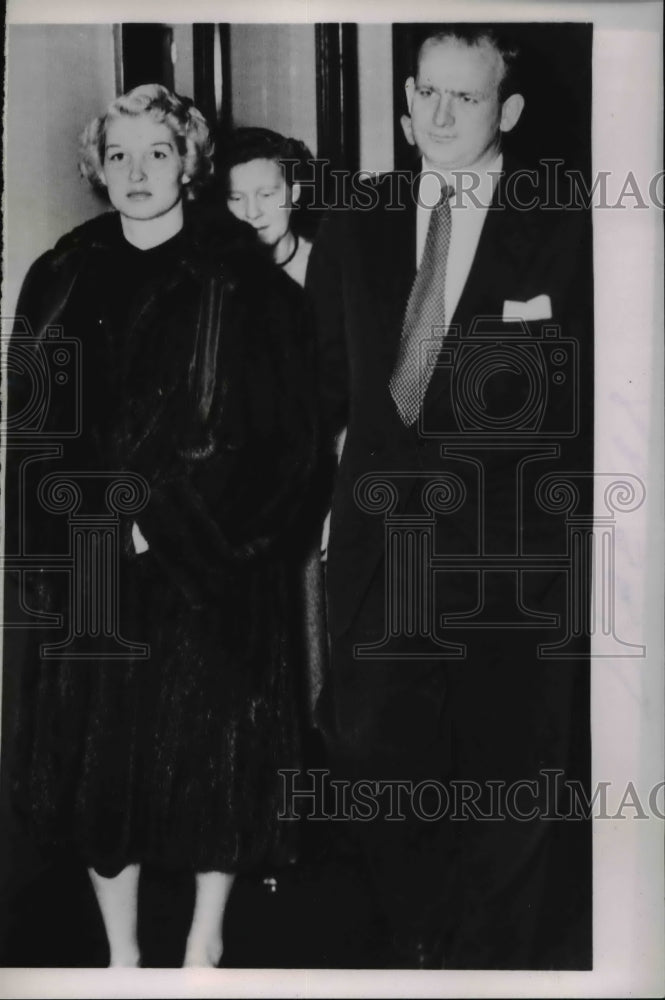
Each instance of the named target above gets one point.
<point>189,127</point>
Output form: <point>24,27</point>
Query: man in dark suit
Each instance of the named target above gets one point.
<point>455,338</point>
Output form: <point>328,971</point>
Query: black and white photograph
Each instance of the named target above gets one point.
<point>332,507</point>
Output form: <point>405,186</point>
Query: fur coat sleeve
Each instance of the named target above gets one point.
<point>237,481</point>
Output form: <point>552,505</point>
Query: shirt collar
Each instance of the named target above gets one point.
<point>473,187</point>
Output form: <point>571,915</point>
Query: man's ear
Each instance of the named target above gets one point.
<point>409,90</point>
<point>295,193</point>
<point>512,108</point>
<point>405,120</point>
<point>407,127</point>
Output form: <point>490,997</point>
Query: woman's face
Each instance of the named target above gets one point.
<point>259,194</point>
<point>142,168</point>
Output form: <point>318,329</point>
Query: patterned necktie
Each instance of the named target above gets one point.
<point>423,328</point>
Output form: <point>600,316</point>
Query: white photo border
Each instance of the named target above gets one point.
<point>627,695</point>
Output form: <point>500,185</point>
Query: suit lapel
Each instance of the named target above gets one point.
<point>507,244</point>
<point>391,252</point>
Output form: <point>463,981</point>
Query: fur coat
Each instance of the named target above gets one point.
<point>197,388</point>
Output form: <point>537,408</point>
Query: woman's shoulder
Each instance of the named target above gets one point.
<point>70,248</point>
<point>101,231</point>
<point>57,268</point>
<point>220,244</point>
<point>212,238</point>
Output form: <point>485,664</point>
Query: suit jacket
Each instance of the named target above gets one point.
<point>537,393</point>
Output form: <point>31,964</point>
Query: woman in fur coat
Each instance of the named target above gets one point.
<point>159,698</point>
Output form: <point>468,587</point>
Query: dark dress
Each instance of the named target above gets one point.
<point>159,735</point>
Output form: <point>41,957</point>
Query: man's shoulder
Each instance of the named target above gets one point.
<point>369,201</point>
<point>534,201</point>
<point>548,187</point>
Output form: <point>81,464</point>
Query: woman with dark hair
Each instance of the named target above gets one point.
<point>262,173</point>
<point>159,736</point>
<point>263,176</point>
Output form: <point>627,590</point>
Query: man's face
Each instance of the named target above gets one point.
<point>454,103</point>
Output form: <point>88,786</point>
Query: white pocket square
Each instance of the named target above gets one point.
<point>539,307</point>
<point>140,544</point>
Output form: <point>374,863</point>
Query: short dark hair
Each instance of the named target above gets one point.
<point>242,145</point>
<point>476,34</point>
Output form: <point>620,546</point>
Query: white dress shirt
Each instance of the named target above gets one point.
<point>469,205</point>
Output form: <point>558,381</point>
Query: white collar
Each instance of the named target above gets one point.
<point>473,187</point>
